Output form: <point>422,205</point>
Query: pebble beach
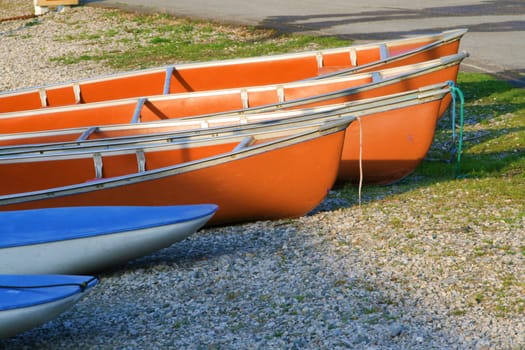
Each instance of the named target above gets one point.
<point>386,274</point>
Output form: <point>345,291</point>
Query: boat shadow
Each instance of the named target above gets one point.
<point>322,22</point>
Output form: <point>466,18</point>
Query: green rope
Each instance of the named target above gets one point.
<point>456,93</point>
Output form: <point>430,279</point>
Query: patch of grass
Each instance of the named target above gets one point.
<point>486,199</point>
<point>162,39</point>
<point>339,283</point>
<point>230,296</point>
<point>32,23</point>
<point>299,298</point>
<point>458,312</point>
<point>370,310</point>
<point>77,59</point>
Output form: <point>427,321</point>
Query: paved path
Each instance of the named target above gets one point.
<point>495,41</point>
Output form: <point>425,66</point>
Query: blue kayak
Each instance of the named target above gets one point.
<point>74,240</point>
<point>27,301</point>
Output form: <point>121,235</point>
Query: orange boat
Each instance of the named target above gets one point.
<point>407,120</point>
<point>301,94</point>
<point>235,73</point>
<point>250,176</point>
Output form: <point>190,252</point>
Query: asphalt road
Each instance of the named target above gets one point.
<point>495,41</point>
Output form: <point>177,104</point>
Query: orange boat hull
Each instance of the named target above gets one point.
<point>351,88</point>
<point>280,183</point>
<point>385,147</point>
<point>395,135</point>
<point>235,73</point>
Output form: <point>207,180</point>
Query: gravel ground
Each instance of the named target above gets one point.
<point>386,275</point>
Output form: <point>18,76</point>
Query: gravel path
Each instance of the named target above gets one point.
<point>386,275</point>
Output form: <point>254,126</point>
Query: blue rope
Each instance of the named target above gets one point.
<point>456,93</point>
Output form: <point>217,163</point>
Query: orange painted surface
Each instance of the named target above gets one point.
<point>440,51</point>
<point>271,185</point>
<point>192,104</point>
<point>395,141</point>
<point>393,144</point>
<point>222,75</point>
